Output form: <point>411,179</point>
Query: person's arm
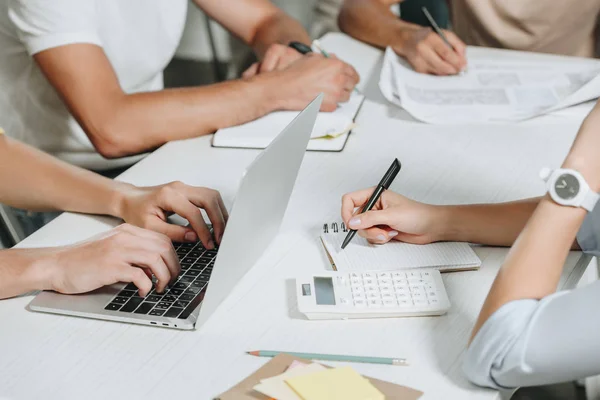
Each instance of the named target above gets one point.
<point>34,180</point>
<point>531,272</point>
<point>396,217</point>
<point>124,254</point>
<point>372,21</point>
<point>258,23</point>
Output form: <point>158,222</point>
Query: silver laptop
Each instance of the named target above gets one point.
<point>208,276</point>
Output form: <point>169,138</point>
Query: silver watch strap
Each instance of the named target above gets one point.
<point>590,200</point>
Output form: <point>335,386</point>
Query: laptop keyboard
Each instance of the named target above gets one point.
<point>179,299</point>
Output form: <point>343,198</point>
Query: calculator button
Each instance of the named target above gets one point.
<point>402,296</point>
<point>426,274</point>
<point>383,275</point>
<point>344,301</point>
<point>417,295</point>
<point>371,288</point>
<point>358,289</point>
<point>359,303</point>
<point>369,281</point>
<point>390,303</point>
<point>341,281</point>
<point>355,275</point>
<point>386,288</point>
<point>398,275</point>
<point>405,303</point>
<point>432,295</point>
<point>368,275</point>
<point>417,289</point>
<point>373,295</point>
<point>387,296</point>
<point>356,281</point>
<point>357,296</point>
<point>385,281</point>
<point>413,275</point>
<point>375,303</point>
<point>400,282</point>
<point>421,302</point>
<point>434,302</point>
<point>429,287</point>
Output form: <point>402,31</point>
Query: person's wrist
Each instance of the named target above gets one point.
<point>40,270</point>
<point>405,36</point>
<point>119,197</point>
<point>589,170</point>
<point>269,89</point>
<point>446,228</point>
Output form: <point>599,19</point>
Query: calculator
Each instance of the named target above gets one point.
<point>375,294</point>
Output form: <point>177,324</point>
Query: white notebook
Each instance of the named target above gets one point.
<point>360,255</point>
<point>330,133</point>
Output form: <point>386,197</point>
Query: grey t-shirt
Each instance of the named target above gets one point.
<point>535,342</point>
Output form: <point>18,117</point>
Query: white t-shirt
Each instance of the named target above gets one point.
<point>138,36</point>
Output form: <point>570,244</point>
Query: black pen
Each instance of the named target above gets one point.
<point>385,183</point>
<point>433,25</point>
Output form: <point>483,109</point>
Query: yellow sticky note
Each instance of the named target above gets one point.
<point>1,131</point>
<point>334,384</point>
<point>276,387</point>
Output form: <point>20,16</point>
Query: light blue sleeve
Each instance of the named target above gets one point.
<point>530,342</point>
<point>589,234</point>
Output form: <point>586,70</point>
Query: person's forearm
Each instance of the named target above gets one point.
<point>281,29</point>
<point>144,121</point>
<point>33,180</point>
<point>534,265</point>
<point>372,22</point>
<point>22,271</point>
<point>489,224</point>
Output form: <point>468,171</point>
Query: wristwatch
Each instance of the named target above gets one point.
<point>568,187</point>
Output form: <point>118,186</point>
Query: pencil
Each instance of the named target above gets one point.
<point>333,357</point>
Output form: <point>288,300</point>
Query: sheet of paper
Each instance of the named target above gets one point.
<point>334,384</point>
<point>489,91</point>
<point>361,255</point>
<point>276,387</point>
<point>259,133</point>
<point>278,365</point>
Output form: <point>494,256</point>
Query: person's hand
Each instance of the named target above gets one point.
<point>428,53</point>
<point>583,155</point>
<point>149,207</point>
<point>124,254</point>
<point>303,80</point>
<point>393,217</point>
<point>277,58</point>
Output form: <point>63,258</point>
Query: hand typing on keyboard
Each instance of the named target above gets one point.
<point>149,207</point>
<point>124,254</point>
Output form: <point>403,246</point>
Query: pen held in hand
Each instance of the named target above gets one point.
<point>433,25</point>
<point>385,183</point>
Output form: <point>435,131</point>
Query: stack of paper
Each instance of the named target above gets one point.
<point>491,90</point>
<point>287,377</point>
<point>315,382</point>
<point>329,134</point>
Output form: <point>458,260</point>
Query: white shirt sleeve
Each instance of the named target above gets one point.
<point>589,234</point>
<point>530,342</point>
<point>44,24</point>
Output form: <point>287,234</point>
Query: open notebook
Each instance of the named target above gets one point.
<point>360,255</point>
<point>330,133</point>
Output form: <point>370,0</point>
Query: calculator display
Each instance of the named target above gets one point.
<point>324,293</point>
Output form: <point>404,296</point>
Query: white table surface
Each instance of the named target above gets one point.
<point>70,358</point>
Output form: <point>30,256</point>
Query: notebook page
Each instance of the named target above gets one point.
<point>361,255</point>
<point>259,133</point>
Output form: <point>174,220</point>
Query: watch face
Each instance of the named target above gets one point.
<point>567,186</point>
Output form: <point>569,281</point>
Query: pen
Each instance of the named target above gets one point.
<point>305,49</point>
<point>385,183</point>
<point>333,357</point>
<point>435,27</point>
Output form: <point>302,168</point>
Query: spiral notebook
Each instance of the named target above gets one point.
<point>360,255</point>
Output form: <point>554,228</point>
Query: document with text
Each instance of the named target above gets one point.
<point>490,90</point>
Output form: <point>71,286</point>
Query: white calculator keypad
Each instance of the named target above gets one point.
<point>387,289</point>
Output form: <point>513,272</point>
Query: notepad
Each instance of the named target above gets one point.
<point>329,134</point>
<point>277,388</point>
<point>360,255</point>
<point>334,384</point>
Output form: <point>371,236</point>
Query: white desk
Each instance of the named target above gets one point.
<point>70,358</point>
